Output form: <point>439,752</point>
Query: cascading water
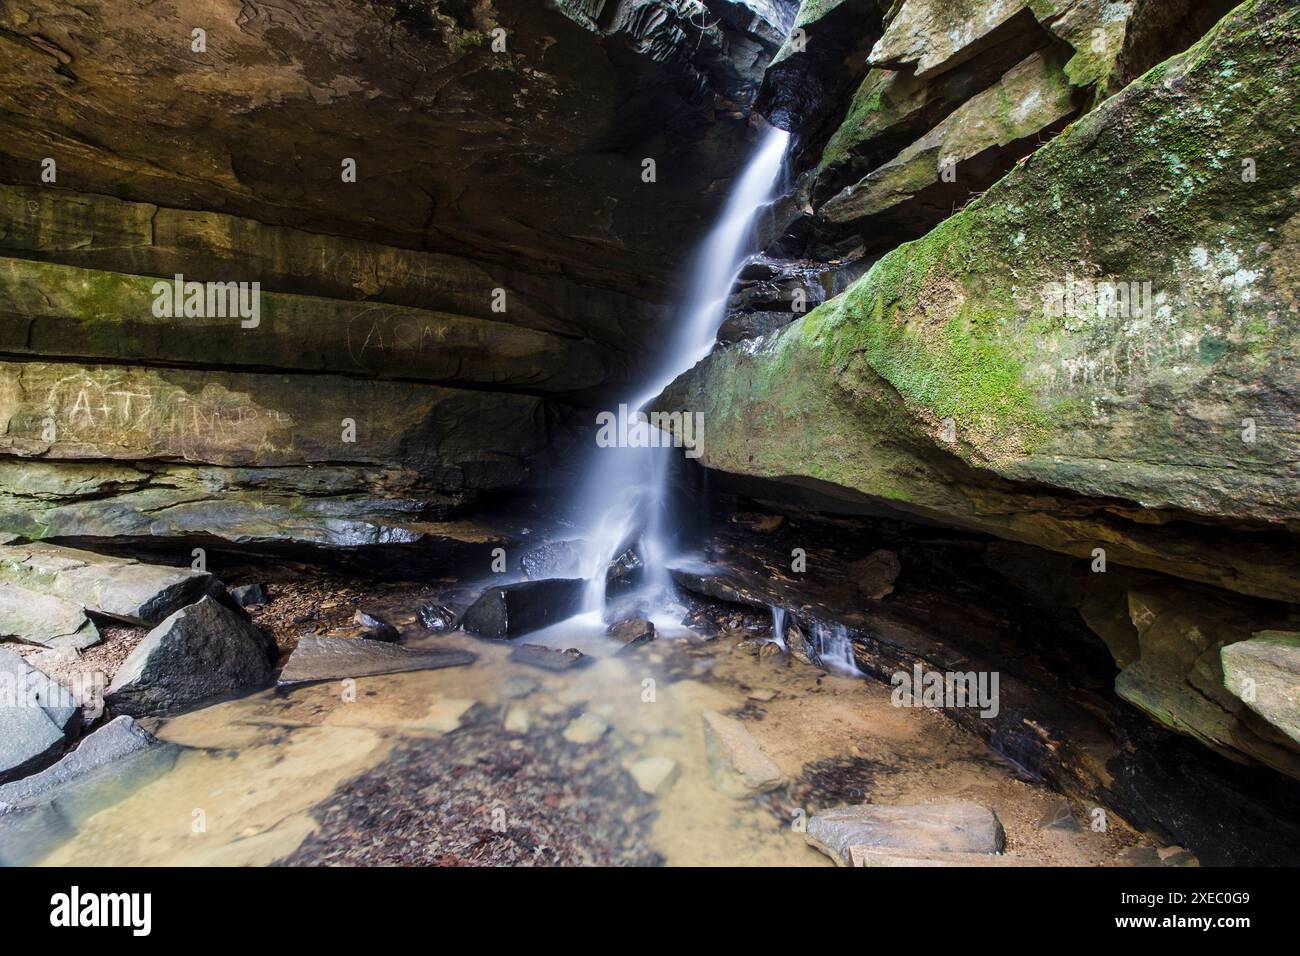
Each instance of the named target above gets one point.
<point>834,648</point>
<point>624,494</point>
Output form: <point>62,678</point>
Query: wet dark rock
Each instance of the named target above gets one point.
<point>632,632</point>
<point>36,716</point>
<point>555,559</point>
<point>626,572</point>
<point>199,653</point>
<point>875,574</point>
<point>956,827</point>
<point>717,583</point>
<point>548,658</point>
<point>798,645</point>
<point>250,595</point>
<point>436,617</point>
<point>509,610</point>
<point>376,628</point>
<point>334,658</point>
<point>741,326</point>
<point>39,812</point>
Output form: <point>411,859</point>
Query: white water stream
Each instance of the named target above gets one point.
<point>623,496</point>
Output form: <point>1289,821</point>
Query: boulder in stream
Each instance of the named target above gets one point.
<point>436,617</point>
<point>199,653</point>
<point>506,611</point>
<point>626,572</point>
<point>334,658</point>
<point>632,632</point>
<point>954,827</point>
<point>654,775</point>
<point>585,729</point>
<point>548,658</point>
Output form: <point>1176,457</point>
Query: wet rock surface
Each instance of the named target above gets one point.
<point>632,632</point>
<point>509,610</point>
<point>334,658</point>
<point>548,658</point>
<point>436,617</point>
<point>738,766</point>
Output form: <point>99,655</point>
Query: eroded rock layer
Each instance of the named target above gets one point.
<point>461,219</point>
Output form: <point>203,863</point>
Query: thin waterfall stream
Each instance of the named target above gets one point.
<point>623,498</point>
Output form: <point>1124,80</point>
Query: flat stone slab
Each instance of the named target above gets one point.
<point>506,611</point>
<point>36,716</point>
<point>35,618</point>
<point>199,653</point>
<point>116,587</point>
<point>738,765</point>
<point>954,827</point>
<point>336,658</point>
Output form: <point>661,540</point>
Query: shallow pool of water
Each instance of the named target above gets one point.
<point>483,764</point>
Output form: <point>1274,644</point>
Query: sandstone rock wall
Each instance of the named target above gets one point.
<point>443,205</point>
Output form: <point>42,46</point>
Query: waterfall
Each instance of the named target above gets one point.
<point>623,496</point>
<point>778,626</point>
<point>834,648</point>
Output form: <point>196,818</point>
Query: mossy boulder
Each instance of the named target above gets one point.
<point>931,36</point>
<point>1032,97</point>
<point>989,374</point>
